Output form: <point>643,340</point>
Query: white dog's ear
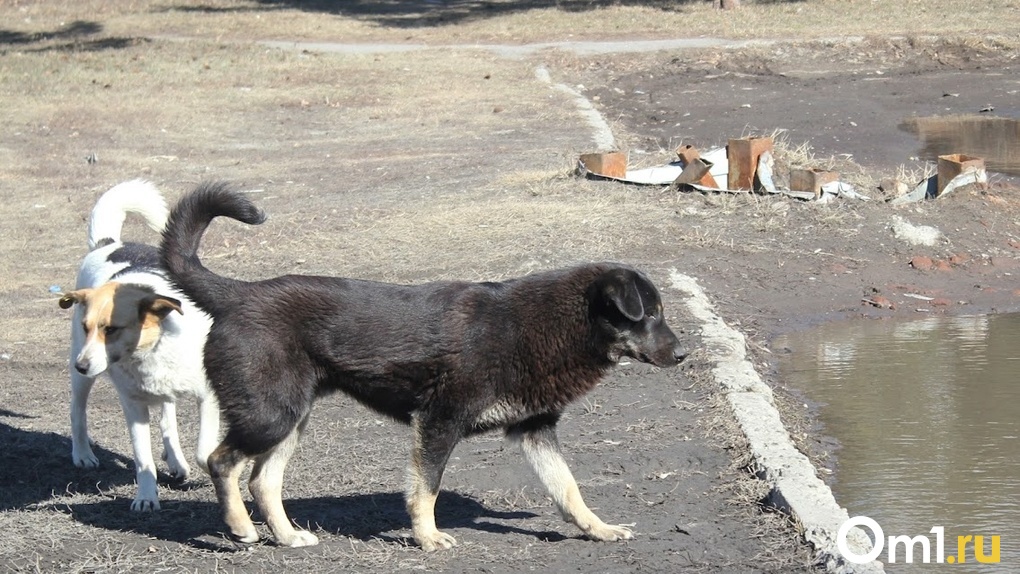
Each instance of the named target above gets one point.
<point>73,297</point>
<point>161,305</point>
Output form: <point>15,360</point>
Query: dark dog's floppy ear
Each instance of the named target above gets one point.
<point>621,289</point>
<point>160,305</point>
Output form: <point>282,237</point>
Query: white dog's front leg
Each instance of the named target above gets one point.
<point>173,454</point>
<point>81,444</point>
<point>137,415</point>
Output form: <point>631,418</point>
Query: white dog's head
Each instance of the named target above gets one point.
<point>118,320</point>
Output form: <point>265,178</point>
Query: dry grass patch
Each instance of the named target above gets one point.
<point>500,21</point>
<point>442,237</point>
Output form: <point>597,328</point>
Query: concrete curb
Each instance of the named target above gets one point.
<point>796,488</point>
<point>602,133</point>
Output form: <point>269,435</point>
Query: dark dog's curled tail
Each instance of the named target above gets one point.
<point>184,229</point>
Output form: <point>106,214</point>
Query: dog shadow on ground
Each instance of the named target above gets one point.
<point>37,468</point>
<point>378,516</point>
<point>383,516</point>
<point>37,464</point>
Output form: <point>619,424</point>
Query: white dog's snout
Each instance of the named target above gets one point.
<point>89,364</point>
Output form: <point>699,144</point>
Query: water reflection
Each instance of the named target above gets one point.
<point>928,417</point>
<point>995,139</point>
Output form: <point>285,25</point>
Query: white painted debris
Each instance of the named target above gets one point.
<point>969,176</point>
<point>659,175</point>
<point>928,188</point>
<point>720,163</point>
<point>915,234</point>
<point>834,189</point>
<point>764,173</point>
<point>918,193</point>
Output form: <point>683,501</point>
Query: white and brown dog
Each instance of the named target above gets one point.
<point>129,322</point>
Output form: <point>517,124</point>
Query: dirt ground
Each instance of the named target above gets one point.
<point>786,262</point>
<point>456,163</point>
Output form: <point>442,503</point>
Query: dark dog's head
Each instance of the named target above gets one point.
<point>628,313</point>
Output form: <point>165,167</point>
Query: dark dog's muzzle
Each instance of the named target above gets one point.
<point>663,349</point>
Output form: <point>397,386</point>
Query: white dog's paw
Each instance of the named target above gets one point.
<point>84,457</point>
<point>143,503</point>
<point>179,468</point>
<point>610,532</point>
<point>435,540</point>
<point>299,539</point>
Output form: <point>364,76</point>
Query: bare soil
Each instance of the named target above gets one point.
<point>843,106</point>
<point>455,163</point>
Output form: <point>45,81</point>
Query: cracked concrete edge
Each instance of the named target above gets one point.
<point>794,482</point>
<point>602,134</point>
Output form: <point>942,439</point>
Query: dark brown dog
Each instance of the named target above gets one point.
<point>451,359</point>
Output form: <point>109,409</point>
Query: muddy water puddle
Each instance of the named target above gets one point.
<point>996,139</point>
<point>927,414</point>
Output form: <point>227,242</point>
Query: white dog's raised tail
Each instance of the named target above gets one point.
<point>135,196</point>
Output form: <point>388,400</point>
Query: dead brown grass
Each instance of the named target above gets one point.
<point>506,21</point>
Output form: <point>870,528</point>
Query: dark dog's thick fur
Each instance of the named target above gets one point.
<point>451,359</point>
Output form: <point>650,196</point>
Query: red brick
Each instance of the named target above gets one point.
<point>921,262</point>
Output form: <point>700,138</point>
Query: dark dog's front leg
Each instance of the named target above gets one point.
<point>433,442</point>
<point>537,438</point>
<point>225,466</point>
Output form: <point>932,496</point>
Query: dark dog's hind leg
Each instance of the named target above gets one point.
<point>225,466</point>
<point>266,486</point>
<point>433,442</point>
<point>542,451</point>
